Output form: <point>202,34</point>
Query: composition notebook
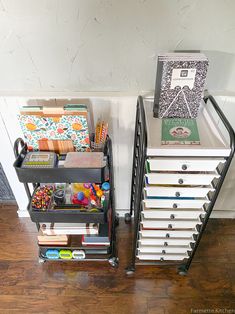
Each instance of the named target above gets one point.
<point>180,132</point>
<point>179,85</point>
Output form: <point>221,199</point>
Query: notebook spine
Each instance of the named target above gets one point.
<point>157,89</point>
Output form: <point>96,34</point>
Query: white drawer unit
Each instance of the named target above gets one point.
<point>169,224</point>
<point>169,234</point>
<point>175,203</point>
<point>171,214</point>
<point>161,257</point>
<point>163,249</point>
<point>165,242</point>
<point>174,187</point>
<point>185,165</point>
<point>159,191</point>
<point>181,178</point>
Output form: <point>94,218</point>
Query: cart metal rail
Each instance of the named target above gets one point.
<point>28,175</point>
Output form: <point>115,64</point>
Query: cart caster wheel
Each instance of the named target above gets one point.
<point>127,218</point>
<point>130,271</point>
<point>182,271</point>
<point>114,262</point>
<point>116,221</point>
<point>41,260</point>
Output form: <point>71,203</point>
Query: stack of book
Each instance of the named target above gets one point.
<point>54,240</point>
<point>102,239</point>
<point>180,84</point>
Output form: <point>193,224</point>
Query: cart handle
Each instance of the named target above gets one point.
<point>19,143</point>
<point>225,122</point>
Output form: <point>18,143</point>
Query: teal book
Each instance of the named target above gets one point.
<point>180,132</point>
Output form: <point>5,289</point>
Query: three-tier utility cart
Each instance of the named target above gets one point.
<point>175,187</point>
<point>106,217</point>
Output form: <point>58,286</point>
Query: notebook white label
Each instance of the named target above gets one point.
<point>183,77</point>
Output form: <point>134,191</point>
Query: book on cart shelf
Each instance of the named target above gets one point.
<point>101,239</point>
<point>68,228</point>
<point>60,240</point>
<point>179,85</point>
<point>180,132</point>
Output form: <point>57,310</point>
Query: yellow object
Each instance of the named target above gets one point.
<point>97,132</point>
<point>65,254</point>
<point>79,187</point>
<point>94,210</point>
<point>99,193</point>
<point>101,132</point>
<point>77,126</point>
<point>31,126</point>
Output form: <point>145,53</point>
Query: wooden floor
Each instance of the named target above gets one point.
<point>29,287</point>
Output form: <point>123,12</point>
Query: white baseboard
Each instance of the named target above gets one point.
<point>23,213</point>
<point>230,214</point>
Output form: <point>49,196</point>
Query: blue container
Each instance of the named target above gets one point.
<point>52,254</point>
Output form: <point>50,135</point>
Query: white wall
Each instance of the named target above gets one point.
<point>81,48</point>
<point>109,45</point>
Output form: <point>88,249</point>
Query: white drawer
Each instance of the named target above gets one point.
<point>161,257</point>
<point>169,224</point>
<point>152,191</point>
<point>168,234</point>
<point>171,214</point>
<point>189,164</point>
<point>166,241</point>
<point>162,249</point>
<point>175,203</point>
<point>181,178</point>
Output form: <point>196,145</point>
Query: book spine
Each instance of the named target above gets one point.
<point>157,88</point>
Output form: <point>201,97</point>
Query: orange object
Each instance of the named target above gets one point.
<point>31,126</point>
<point>76,126</point>
<point>96,187</point>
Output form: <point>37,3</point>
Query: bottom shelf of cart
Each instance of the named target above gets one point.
<point>93,259</point>
<point>71,253</point>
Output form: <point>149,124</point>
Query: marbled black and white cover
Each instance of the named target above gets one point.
<point>179,85</point>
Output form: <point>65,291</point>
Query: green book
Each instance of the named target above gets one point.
<point>75,107</point>
<point>180,132</point>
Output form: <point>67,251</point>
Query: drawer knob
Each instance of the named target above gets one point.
<point>167,235</point>
<point>165,244</point>
<point>184,167</point>
<point>163,252</point>
<point>177,194</point>
<point>175,205</point>
<point>180,181</point>
<point>170,226</point>
<point>172,216</point>
<point>161,259</point>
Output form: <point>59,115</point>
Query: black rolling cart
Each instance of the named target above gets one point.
<point>174,189</point>
<point>106,217</point>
